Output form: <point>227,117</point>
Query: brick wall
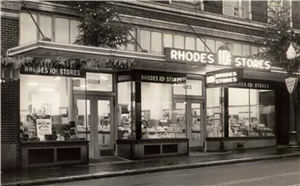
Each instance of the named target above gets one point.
<point>259,11</point>
<point>9,33</point>
<point>10,124</point>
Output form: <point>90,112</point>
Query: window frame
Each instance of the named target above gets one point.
<point>53,18</point>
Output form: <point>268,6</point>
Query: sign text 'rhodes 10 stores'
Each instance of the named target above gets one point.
<point>222,58</point>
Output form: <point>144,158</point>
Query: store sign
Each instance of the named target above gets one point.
<point>123,78</point>
<point>98,81</point>
<point>253,84</point>
<point>223,77</point>
<point>222,58</point>
<point>44,127</point>
<point>162,77</point>
<point>291,84</point>
<point>49,71</point>
<point>152,76</point>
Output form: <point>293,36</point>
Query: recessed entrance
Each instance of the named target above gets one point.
<point>95,117</point>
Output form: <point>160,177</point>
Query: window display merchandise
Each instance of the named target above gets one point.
<point>161,116</point>
<point>45,113</point>
<point>251,112</point>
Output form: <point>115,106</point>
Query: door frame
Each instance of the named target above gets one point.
<point>189,100</point>
<point>94,146</point>
<point>189,122</point>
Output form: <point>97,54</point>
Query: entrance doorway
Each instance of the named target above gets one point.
<point>95,119</point>
<point>195,121</point>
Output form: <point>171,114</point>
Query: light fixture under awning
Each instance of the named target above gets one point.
<point>52,49</point>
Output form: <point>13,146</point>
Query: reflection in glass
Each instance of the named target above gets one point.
<point>124,111</point>
<point>196,121</point>
<point>104,121</point>
<point>162,117</point>
<point>214,127</point>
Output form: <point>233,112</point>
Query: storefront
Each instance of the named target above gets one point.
<point>151,111</point>
<point>160,114</point>
<point>240,115</point>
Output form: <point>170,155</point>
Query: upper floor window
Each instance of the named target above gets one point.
<point>239,8</point>
<point>58,29</point>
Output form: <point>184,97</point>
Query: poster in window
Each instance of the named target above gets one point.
<point>44,127</point>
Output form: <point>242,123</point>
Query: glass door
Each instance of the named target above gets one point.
<point>195,119</point>
<point>105,118</point>
<point>94,120</point>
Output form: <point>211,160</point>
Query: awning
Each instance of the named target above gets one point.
<point>148,61</point>
<point>53,49</point>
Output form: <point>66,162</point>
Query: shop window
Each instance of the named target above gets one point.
<point>192,88</point>
<point>94,82</point>
<point>179,41</point>
<point>46,105</point>
<point>189,43</point>
<point>28,30</point>
<point>239,8</point>
<point>252,113</point>
<point>214,125</point>
<point>124,110</point>
<point>162,116</point>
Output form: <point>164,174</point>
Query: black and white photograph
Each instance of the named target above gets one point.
<point>150,93</point>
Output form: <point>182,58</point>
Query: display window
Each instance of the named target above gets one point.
<point>161,112</point>
<point>124,110</point>
<point>251,112</point>
<point>162,116</point>
<point>46,109</point>
<point>214,126</point>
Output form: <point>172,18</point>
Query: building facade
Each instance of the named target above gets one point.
<point>164,106</point>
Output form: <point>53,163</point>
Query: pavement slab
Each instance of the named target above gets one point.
<point>111,167</point>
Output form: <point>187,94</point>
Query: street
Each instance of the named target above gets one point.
<point>274,172</point>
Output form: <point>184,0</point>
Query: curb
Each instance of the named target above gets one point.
<point>147,170</point>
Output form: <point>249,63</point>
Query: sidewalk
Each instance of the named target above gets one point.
<point>112,167</point>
